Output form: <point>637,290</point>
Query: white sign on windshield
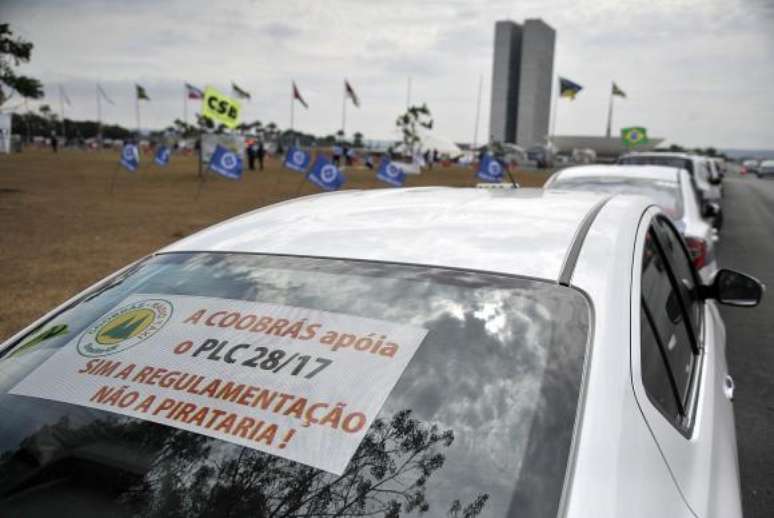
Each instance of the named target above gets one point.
<point>298,383</point>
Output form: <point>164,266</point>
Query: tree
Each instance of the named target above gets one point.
<point>358,139</point>
<point>13,52</point>
<point>180,474</point>
<point>46,111</point>
<point>184,129</point>
<point>409,124</point>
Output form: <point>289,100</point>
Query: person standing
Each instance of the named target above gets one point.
<point>251,155</point>
<point>261,153</point>
<point>336,154</point>
<point>54,142</point>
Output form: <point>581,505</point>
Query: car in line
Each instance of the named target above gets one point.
<point>670,187</point>
<point>766,169</point>
<point>697,166</point>
<point>751,166</point>
<point>548,354</point>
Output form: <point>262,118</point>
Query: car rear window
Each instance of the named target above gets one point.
<point>669,161</point>
<point>479,421</point>
<point>664,192</point>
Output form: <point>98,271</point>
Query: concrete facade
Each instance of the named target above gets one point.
<point>522,73</point>
<point>505,71</point>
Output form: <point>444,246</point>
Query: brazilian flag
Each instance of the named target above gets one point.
<point>568,88</point>
<point>634,136</point>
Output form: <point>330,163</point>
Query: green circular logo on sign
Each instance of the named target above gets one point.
<point>125,327</point>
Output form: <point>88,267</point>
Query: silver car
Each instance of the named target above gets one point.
<point>766,168</point>
<point>705,182</point>
<point>669,187</point>
<point>410,352</point>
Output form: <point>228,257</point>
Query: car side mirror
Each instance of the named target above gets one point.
<point>710,210</point>
<point>735,289</point>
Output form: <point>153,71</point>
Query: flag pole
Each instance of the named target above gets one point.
<point>137,112</point>
<point>61,110</point>
<point>185,104</point>
<point>292,109</point>
<point>99,118</point>
<point>553,115</point>
<point>344,113</point>
<point>478,110</point>
<point>610,114</point>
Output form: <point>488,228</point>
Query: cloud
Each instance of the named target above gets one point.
<point>692,70</point>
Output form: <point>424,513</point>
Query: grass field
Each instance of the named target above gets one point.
<point>61,230</point>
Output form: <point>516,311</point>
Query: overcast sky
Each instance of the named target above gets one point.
<point>697,72</point>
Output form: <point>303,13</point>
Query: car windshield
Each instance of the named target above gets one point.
<point>479,419</point>
<point>669,161</point>
<point>664,192</point>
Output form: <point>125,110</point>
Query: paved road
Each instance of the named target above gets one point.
<point>747,244</point>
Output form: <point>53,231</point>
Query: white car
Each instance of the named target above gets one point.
<point>751,166</point>
<point>671,188</point>
<point>766,168</point>
<point>441,351</point>
<point>697,166</point>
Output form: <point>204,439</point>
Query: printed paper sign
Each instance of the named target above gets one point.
<point>298,383</point>
<point>220,107</point>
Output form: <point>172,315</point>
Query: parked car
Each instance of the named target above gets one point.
<point>715,179</point>
<point>721,166</point>
<point>766,169</point>
<point>696,166</point>
<point>751,166</point>
<point>435,350</point>
<point>542,156</point>
<point>671,188</point>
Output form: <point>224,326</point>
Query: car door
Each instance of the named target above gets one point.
<point>679,373</point>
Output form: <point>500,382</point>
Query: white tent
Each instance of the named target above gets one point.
<point>431,141</point>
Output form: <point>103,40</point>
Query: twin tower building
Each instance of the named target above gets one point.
<point>522,75</point>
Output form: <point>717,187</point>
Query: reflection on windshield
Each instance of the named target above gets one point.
<point>480,421</point>
<point>667,161</point>
<point>665,193</point>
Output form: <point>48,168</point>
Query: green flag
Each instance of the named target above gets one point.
<point>634,136</point>
<point>617,91</point>
<point>141,93</point>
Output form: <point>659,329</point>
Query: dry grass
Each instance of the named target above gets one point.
<point>60,230</point>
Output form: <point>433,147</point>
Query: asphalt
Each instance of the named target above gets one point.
<point>747,245</point>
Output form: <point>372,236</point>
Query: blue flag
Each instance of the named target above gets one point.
<point>130,157</point>
<point>390,172</point>
<point>162,155</point>
<point>226,163</point>
<point>297,160</point>
<point>490,169</point>
<point>326,175</point>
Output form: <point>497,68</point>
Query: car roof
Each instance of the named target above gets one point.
<point>653,172</point>
<point>521,231</point>
<point>688,156</point>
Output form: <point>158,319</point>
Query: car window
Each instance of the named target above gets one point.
<point>685,274</point>
<point>479,422</point>
<point>662,305</point>
<point>659,383</point>
<point>664,192</point>
<point>670,161</point>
